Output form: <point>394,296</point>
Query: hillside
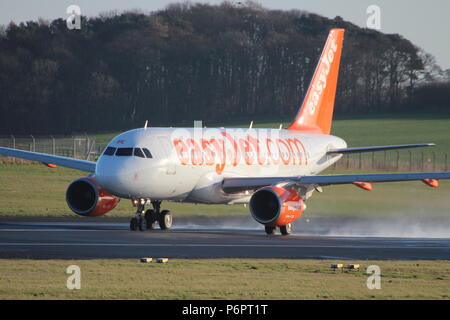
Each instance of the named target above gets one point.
<point>192,61</point>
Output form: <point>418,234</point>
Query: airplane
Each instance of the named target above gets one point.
<point>274,171</point>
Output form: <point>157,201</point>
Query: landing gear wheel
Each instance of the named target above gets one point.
<point>142,224</point>
<point>133,224</point>
<point>270,230</point>
<point>165,220</point>
<point>150,217</point>
<point>286,230</point>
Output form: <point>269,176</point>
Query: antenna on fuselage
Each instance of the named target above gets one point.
<point>281,126</point>
<point>146,123</point>
<point>251,124</point>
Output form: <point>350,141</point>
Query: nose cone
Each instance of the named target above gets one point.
<point>115,176</point>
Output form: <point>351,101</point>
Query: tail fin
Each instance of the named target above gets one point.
<point>316,112</point>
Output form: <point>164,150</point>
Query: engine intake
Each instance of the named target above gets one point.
<point>86,198</point>
<point>274,206</point>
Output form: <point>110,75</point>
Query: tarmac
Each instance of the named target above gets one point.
<point>239,237</point>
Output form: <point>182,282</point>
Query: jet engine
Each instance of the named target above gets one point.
<point>86,198</point>
<point>274,206</point>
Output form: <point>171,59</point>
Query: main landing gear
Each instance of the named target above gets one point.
<point>146,219</point>
<point>285,230</point>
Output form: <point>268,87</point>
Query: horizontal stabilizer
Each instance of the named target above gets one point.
<point>380,148</point>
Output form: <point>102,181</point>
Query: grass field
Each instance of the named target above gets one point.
<point>222,279</point>
<point>35,190</point>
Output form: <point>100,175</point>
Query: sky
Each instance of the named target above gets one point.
<point>425,23</point>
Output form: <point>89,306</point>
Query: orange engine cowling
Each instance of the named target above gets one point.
<point>86,198</point>
<point>274,206</point>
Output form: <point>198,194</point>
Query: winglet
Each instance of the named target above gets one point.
<point>316,112</point>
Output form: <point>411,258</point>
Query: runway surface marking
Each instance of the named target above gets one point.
<point>37,239</point>
<point>203,245</point>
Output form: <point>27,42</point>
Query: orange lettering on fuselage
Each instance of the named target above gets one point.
<point>231,151</point>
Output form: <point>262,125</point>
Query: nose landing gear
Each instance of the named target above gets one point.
<point>165,220</point>
<point>146,219</point>
<point>138,222</point>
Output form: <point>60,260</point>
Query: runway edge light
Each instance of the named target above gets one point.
<point>162,260</point>
<point>146,260</point>
<point>335,266</point>
<point>352,266</point>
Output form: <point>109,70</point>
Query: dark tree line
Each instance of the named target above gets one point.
<point>192,61</point>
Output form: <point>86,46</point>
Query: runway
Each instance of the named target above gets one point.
<point>38,238</point>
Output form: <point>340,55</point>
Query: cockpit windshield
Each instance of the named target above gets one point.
<point>127,152</point>
<point>109,151</point>
<point>147,153</point>
<point>124,152</point>
<point>138,153</point>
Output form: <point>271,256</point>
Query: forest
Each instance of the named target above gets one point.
<point>215,63</point>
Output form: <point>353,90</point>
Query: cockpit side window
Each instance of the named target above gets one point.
<point>109,151</point>
<point>138,153</point>
<point>124,152</point>
<point>147,153</point>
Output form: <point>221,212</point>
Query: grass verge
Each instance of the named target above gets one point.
<point>222,279</point>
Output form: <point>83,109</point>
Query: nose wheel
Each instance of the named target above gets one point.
<point>150,218</point>
<point>146,219</point>
<point>165,220</point>
<point>138,224</point>
<point>134,225</point>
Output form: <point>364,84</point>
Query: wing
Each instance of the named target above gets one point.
<point>238,184</point>
<point>83,165</point>
<point>379,148</point>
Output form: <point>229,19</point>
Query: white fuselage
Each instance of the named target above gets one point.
<point>189,164</point>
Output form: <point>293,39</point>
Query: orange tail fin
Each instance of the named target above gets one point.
<point>316,112</point>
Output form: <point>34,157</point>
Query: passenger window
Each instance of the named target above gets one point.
<point>138,153</point>
<point>147,153</point>
<point>109,151</point>
<point>124,152</point>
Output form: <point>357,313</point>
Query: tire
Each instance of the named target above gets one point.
<point>270,230</point>
<point>133,224</point>
<point>142,224</point>
<point>286,230</point>
<point>150,217</point>
<point>165,220</point>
